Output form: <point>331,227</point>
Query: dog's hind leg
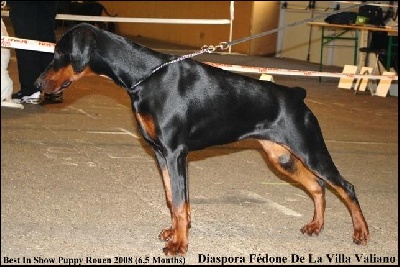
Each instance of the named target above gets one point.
<point>285,162</point>
<point>347,192</point>
<point>174,173</point>
<point>289,164</point>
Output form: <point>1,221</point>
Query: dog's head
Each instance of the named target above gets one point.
<point>72,55</point>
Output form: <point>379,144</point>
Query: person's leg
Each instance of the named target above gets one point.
<point>46,25</point>
<point>23,18</point>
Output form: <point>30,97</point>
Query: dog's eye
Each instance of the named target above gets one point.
<point>66,84</point>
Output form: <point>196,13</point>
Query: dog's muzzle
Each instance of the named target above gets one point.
<point>48,87</point>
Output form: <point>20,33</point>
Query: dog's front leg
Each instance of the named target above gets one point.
<point>174,172</point>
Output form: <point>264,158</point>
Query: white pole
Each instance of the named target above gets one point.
<point>232,17</point>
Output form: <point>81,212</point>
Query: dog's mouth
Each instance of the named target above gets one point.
<point>50,87</point>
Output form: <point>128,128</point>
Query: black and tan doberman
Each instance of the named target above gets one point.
<point>187,105</point>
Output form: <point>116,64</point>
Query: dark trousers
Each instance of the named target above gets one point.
<point>33,20</point>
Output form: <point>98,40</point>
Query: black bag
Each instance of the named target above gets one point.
<point>373,13</point>
<point>342,18</point>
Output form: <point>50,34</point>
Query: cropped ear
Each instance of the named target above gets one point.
<point>83,44</point>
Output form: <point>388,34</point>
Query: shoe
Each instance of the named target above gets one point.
<point>20,98</point>
<point>53,98</point>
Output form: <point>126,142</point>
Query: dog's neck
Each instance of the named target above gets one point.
<point>136,67</point>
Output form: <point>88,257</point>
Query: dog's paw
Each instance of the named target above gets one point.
<point>361,237</point>
<point>312,228</point>
<point>176,244</point>
<point>175,248</point>
<point>166,234</point>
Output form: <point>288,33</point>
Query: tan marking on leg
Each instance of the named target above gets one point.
<point>177,235</point>
<point>147,123</point>
<point>361,232</point>
<point>303,175</point>
<point>168,232</point>
<point>299,173</point>
<point>167,187</point>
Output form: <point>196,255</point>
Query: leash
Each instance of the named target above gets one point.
<point>225,45</point>
<point>204,49</point>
